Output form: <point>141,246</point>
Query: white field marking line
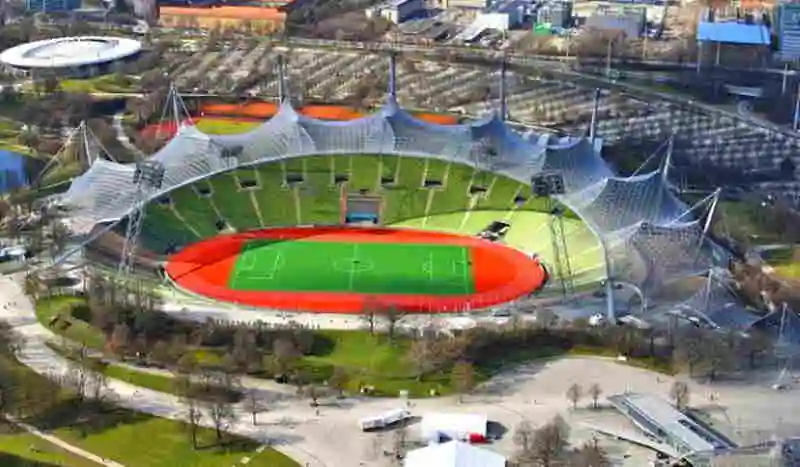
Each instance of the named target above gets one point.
<point>464,275</point>
<point>430,267</point>
<point>352,267</point>
<point>276,264</point>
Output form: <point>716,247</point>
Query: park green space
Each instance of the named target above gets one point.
<point>127,437</point>
<point>141,440</point>
<point>18,448</point>
<point>377,268</point>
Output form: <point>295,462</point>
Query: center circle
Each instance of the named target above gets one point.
<point>353,265</point>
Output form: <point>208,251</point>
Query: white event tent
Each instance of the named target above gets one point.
<point>453,454</point>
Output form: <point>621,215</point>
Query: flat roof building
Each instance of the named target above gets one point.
<point>397,11</point>
<point>260,19</point>
<point>50,6</point>
<point>663,421</point>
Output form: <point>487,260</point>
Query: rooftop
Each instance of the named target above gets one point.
<point>228,12</point>
<point>662,420</point>
<point>734,33</point>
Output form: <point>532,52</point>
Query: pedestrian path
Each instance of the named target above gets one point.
<point>61,443</point>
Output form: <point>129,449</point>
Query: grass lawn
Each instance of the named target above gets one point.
<point>130,438</point>
<point>782,260</point>
<point>224,126</point>
<point>374,361</point>
<point>144,441</point>
<point>70,327</point>
<point>20,449</point>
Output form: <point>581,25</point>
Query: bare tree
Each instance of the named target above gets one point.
<point>120,340</point>
<point>550,443</point>
<point>254,404</point>
<point>574,394</point>
<point>338,380</point>
<point>193,417</point>
<point>524,435</point>
<point>679,393</point>
<point>220,412</point>
<point>546,318</point>
<point>595,391</point>
<point>369,316</point>
<point>589,455</point>
<point>392,315</point>
<point>463,378</point>
<point>285,355</point>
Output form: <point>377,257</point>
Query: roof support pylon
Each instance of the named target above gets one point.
<point>595,110</point>
<point>710,214</point>
<point>392,76</point>
<point>503,108</point>
<point>667,161</point>
<point>281,80</point>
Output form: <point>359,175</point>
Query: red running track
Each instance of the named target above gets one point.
<point>501,274</point>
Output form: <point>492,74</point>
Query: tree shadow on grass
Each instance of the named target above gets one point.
<point>10,460</point>
<point>86,418</point>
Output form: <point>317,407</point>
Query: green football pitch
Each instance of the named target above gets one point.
<point>373,268</point>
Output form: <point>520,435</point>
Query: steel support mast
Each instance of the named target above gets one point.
<point>548,185</point>
<point>148,178</point>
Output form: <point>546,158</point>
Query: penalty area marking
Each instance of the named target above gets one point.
<point>251,269</point>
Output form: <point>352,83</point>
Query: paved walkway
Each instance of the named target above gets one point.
<point>62,444</point>
<point>122,137</point>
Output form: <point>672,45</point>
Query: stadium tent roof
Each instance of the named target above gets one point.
<point>453,454</point>
<point>637,213</point>
<point>65,52</point>
<point>733,33</point>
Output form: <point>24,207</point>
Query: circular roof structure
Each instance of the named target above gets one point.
<point>65,52</point>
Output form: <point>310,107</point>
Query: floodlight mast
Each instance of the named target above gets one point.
<point>148,177</point>
<point>548,185</point>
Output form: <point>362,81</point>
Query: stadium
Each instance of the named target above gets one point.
<point>275,218</point>
<point>75,56</point>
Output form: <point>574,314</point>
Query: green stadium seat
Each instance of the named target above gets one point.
<point>235,204</point>
<point>276,201</point>
<point>195,210</point>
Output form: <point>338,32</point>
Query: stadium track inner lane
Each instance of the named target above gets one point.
<point>500,273</point>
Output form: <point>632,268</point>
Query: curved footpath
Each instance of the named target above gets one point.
<point>331,436</point>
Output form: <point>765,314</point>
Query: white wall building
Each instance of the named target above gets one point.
<point>397,11</point>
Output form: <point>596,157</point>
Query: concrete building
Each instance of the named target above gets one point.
<point>469,4</point>
<point>48,6</point>
<point>788,31</point>
<point>555,14</point>
<point>629,21</point>
<point>397,11</point>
